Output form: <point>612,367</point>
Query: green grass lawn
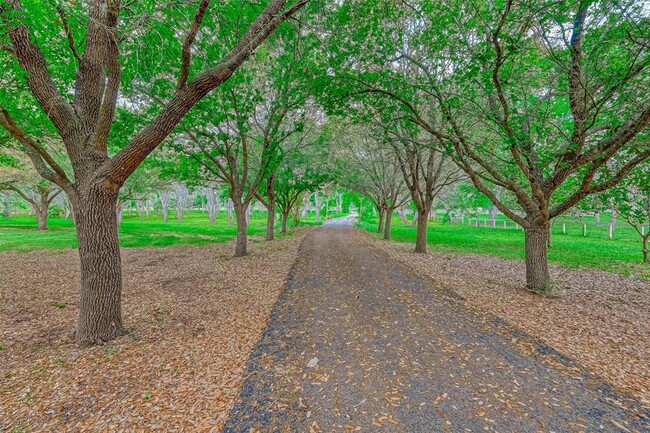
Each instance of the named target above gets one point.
<point>622,254</point>
<point>20,233</point>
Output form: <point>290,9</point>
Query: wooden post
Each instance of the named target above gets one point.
<point>563,228</point>
<point>584,230</point>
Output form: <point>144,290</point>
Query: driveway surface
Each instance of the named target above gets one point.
<point>359,342</point>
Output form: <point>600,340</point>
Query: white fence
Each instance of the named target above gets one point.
<point>508,224</point>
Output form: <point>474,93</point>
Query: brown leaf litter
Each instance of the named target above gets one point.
<point>598,318</point>
<point>195,314</point>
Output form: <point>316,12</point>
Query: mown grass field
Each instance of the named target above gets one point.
<point>19,233</point>
<point>622,254</point>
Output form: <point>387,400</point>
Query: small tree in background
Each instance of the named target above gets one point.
<point>17,176</point>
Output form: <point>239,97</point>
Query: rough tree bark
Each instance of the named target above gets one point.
<point>242,230</point>
<point>382,214</point>
<point>387,224</point>
<point>100,317</point>
<point>285,217</point>
<point>536,249</point>
<point>421,236</point>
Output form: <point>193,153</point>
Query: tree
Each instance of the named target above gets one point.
<point>373,169</point>
<point>16,177</point>
<point>85,117</point>
<point>302,171</point>
<point>222,147</point>
<point>426,171</point>
<point>279,120</point>
<point>544,102</point>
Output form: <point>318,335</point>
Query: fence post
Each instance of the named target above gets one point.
<point>584,230</point>
<point>611,231</point>
<point>505,226</point>
<point>563,228</point>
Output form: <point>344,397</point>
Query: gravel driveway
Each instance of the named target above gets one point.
<point>357,342</point>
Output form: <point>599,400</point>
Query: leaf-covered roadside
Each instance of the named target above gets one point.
<point>195,313</point>
<point>600,319</point>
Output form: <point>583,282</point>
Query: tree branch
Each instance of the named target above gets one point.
<point>119,168</point>
<point>186,51</point>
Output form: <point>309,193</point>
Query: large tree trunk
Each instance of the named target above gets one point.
<point>100,314</point>
<point>41,216</point>
<point>536,239</point>
<point>382,214</point>
<point>270,220</point>
<point>421,239</point>
<point>242,230</point>
<point>387,223</point>
<point>285,217</point>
